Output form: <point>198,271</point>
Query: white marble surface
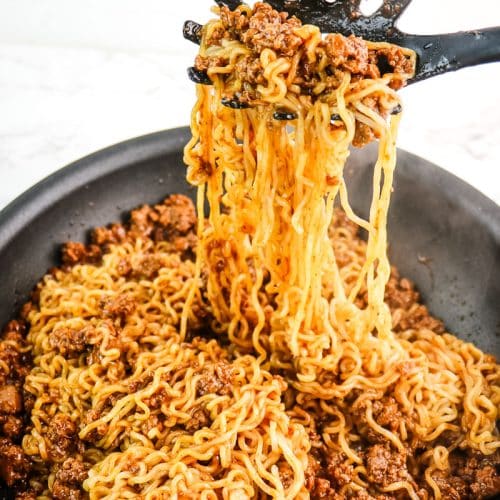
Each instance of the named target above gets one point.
<point>78,76</point>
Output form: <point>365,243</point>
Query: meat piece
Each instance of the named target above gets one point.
<point>418,317</point>
<point>452,487</point>
<point>481,473</point>
<point>176,216</point>
<point>323,489</point>
<point>153,422</point>
<point>340,471</point>
<point>69,341</point>
<point>264,28</point>
<point>62,436</point>
<point>10,400</point>
<point>77,253</point>
<point>14,464</point>
<point>118,306</point>
<point>15,359</point>
<point>12,426</point>
<point>216,379</point>
<point>124,267</point>
<point>200,417</point>
<point>98,432</point>
<point>363,135</point>
<point>313,466</point>
<point>396,59</point>
<point>249,69</point>
<point>115,233</point>
<point>349,53</point>
<point>147,267</point>
<point>172,221</point>
<point>286,474</point>
<point>387,414</point>
<point>29,401</point>
<point>400,293</point>
<point>68,480</point>
<point>157,399</point>
<point>14,327</point>
<point>487,482</point>
<point>401,297</point>
<point>364,495</point>
<point>26,495</point>
<point>385,466</point>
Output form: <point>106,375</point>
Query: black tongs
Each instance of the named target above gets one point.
<point>436,54</point>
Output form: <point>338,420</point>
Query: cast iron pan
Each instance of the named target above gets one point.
<point>444,235</point>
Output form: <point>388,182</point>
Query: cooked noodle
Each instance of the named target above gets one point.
<point>317,371</point>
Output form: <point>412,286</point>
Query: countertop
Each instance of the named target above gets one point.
<point>79,76</point>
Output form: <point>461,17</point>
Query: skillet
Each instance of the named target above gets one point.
<point>444,235</point>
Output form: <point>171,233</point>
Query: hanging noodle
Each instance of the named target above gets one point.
<point>276,354</point>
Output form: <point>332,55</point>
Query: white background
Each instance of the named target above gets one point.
<point>79,75</point>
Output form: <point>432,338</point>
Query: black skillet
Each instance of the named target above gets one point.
<point>444,235</point>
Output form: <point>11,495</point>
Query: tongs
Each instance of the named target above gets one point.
<point>436,54</point>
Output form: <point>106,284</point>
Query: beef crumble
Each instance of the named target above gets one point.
<point>68,480</point>
<point>216,379</point>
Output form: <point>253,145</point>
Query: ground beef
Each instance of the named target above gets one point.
<point>266,28</point>
<point>323,489</point>
<point>393,56</point>
<point>157,399</point>
<point>286,474</point>
<point>68,481</point>
<point>452,487</point>
<point>113,234</point>
<point>26,495</point>
<point>363,135</point>
<point>15,360</point>
<point>69,342</point>
<point>385,466</point>
<point>147,267</point>
<point>14,464</point>
<point>166,221</point>
<point>386,413</point>
<point>216,378</point>
<point>418,317</point>
<point>12,427</point>
<point>487,482</point>
<point>77,253</point>
<point>98,432</point>
<point>10,400</point>
<point>200,417</point>
<point>250,70</point>
<point>327,472</point>
<point>402,298</point>
<point>339,471</point>
<point>350,54</point>
<point>62,436</point>
<point>472,474</point>
<point>118,306</point>
<point>172,221</point>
